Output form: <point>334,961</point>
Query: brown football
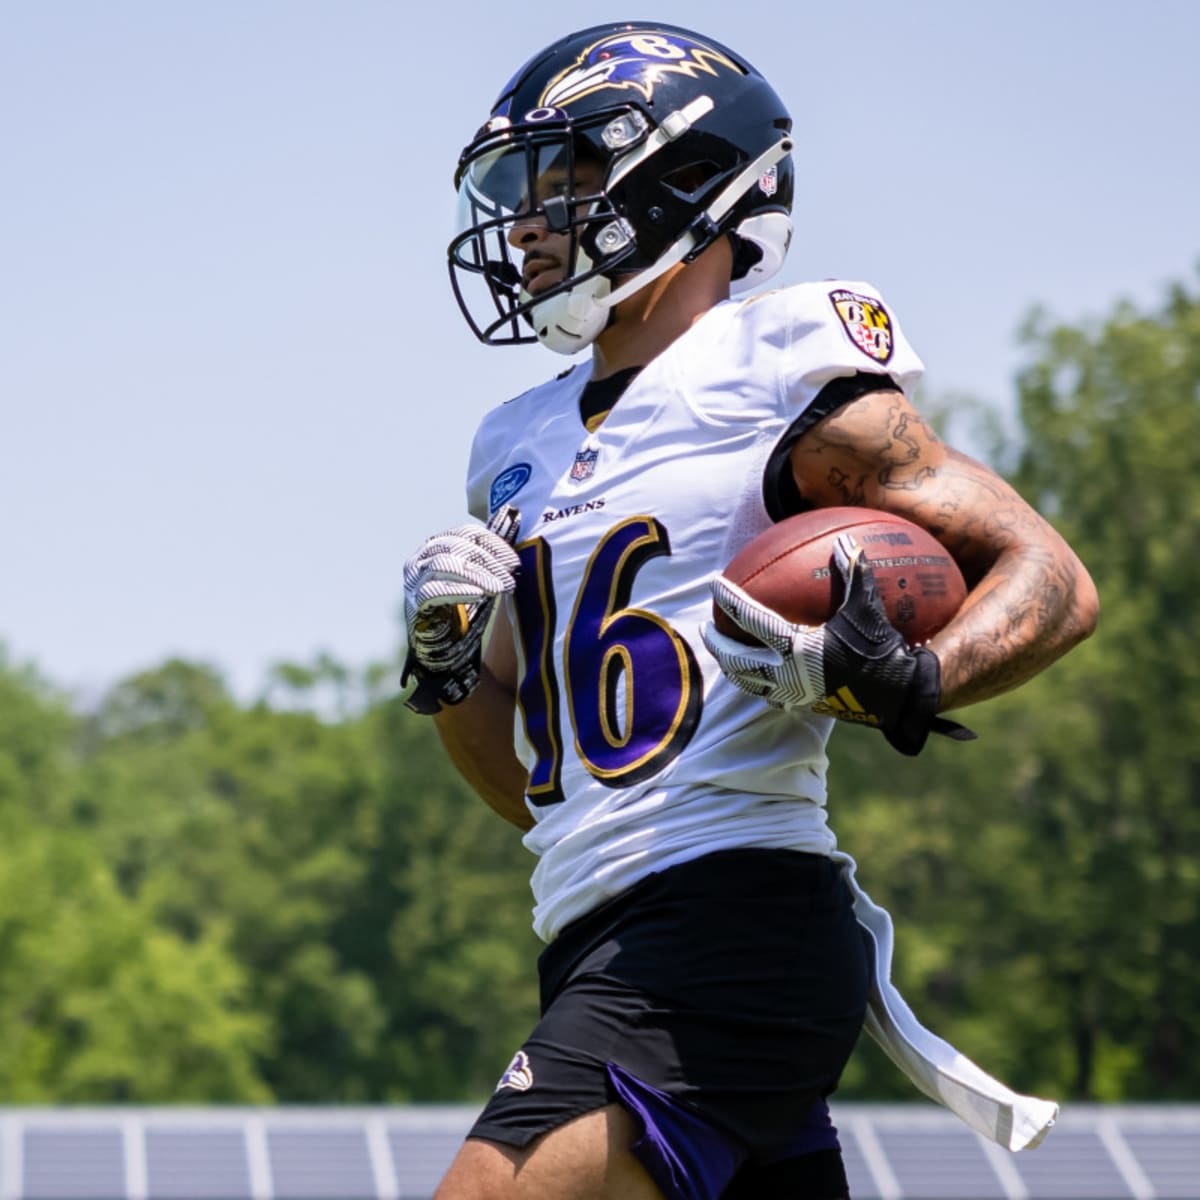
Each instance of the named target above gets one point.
<point>790,569</point>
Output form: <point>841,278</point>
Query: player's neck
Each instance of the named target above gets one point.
<point>650,320</point>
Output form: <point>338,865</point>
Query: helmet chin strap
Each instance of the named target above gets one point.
<point>573,319</point>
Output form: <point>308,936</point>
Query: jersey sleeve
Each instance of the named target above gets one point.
<point>486,451</point>
<point>837,341</point>
<point>840,328</point>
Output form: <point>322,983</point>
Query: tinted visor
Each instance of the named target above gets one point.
<point>517,178</point>
<point>548,176</point>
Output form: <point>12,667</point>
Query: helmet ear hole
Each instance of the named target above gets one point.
<point>760,245</point>
<point>746,255</point>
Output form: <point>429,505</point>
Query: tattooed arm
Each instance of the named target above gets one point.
<point>1031,598</point>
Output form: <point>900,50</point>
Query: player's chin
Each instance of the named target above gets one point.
<point>542,281</point>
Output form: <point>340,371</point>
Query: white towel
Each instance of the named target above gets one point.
<point>1017,1122</point>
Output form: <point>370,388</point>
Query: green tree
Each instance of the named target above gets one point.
<point>1113,449</point>
<point>451,881</point>
<point>379,911</point>
<point>98,1001</point>
<point>246,820</point>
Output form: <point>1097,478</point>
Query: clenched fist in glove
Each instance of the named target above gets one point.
<point>856,667</point>
<point>451,586</point>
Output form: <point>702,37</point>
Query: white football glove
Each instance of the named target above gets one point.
<point>451,585</point>
<point>855,667</point>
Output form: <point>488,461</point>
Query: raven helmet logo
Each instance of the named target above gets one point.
<point>634,60</point>
<point>866,321</point>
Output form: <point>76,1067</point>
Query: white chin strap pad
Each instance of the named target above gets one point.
<point>572,320</point>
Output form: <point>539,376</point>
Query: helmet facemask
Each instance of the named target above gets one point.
<point>548,177</point>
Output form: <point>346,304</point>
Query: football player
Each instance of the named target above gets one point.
<point>710,960</point>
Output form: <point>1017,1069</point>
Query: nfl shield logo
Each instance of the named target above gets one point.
<point>584,465</point>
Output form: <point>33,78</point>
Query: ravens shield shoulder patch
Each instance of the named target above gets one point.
<point>866,321</point>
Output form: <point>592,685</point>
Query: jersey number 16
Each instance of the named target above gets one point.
<point>630,684</point>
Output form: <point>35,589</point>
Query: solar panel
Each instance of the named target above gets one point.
<point>84,1163</point>
<point>863,1156</point>
<point>963,1172</point>
<point>1171,1163</point>
<point>1075,1167</point>
<point>320,1164</point>
<point>893,1152</point>
<point>188,1161</point>
<point>423,1146</point>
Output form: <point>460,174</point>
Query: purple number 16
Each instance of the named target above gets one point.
<point>631,685</point>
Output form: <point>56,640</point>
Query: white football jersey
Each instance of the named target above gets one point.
<point>640,753</point>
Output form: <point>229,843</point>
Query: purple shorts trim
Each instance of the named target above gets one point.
<point>689,1158</point>
<point>685,1156</point>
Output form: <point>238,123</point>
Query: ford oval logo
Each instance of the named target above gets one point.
<point>507,484</point>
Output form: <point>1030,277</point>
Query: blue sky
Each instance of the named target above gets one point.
<point>234,386</point>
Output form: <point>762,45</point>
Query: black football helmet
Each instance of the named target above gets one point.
<point>684,141</point>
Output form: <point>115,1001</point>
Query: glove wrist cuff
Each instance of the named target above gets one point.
<point>919,716</point>
<point>922,700</point>
<point>435,690</point>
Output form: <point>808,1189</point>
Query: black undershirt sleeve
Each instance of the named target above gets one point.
<point>780,493</point>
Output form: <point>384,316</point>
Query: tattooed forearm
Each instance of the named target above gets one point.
<point>1026,612</point>
<point>1030,599</point>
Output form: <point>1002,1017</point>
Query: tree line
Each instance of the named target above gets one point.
<point>295,899</point>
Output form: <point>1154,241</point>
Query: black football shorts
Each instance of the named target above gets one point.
<point>718,1000</point>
